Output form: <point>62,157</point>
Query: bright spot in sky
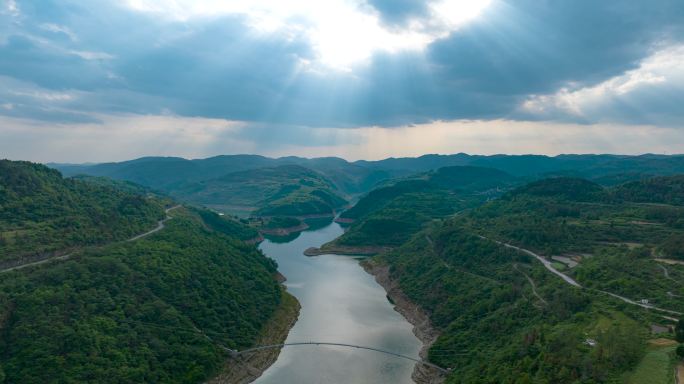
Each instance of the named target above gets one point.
<point>342,32</point>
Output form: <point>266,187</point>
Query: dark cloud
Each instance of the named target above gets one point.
<point>532,46</point>
<point>219,67</point>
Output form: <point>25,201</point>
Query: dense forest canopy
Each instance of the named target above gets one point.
<point>42,213</point>
<point>286,190</point>
<point>183,178</point>
<point>161,308</point>
<point>389,215</point>
<point>504,318</point>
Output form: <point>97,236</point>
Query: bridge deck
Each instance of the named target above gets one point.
<point>272,346</point>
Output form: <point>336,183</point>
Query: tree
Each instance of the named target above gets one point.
<point>679,331</point>
<point>680,351</point>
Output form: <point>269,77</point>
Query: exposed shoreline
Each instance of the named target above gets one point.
<point>284,231</point>
<point>246,369</point>
<point>255,240</point>
<point>344,220</point>
<point>345,250</point>
<point>422,327</point>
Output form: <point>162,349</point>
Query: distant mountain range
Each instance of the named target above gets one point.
<point>207,181</point>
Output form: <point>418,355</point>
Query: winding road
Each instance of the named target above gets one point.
<point>534,286</point>
<point>160,226</point>
<point>574,283</point>
<point>547,264</point>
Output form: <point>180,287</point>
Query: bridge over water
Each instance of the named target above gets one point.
<point>235,353</point>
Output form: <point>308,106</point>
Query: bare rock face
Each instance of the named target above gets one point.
<point>422,327</point>
<point>345,250</point>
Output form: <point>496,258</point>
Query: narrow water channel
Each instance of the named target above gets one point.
<point>340,303</point>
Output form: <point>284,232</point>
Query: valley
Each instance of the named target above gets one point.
<point>495,276</point>
<point>342,192</point>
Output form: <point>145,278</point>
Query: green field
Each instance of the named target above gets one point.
<point>656,367</point>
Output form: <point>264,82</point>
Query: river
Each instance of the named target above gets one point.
<point>340,303</point>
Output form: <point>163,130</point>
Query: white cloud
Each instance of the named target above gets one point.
<point>89,55</point>
<point>55,28</point>
<point>494,137</point>
<point>11,8</point>
<point>664,68</point>
<point>121,137</point>
<point>343,32</point>
<point>118,137</point>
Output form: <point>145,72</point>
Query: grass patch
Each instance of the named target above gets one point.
<point>559,266</point>
<point>654,368</point>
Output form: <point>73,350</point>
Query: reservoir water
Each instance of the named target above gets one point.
<point>340,303</point>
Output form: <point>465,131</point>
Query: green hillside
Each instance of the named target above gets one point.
<point>378,198</point>
<point>657,190</point>
<point>389,215</point>
<point>167,173</point>
<point>359,177</point>
<point>469,178</point>
<point>504,318</point>
<point>462,179</point>
<point>585,166</point>
<point>226,225</point>
<point>288,190</point>
<point>572,215</point>
<point>563,188</point>
<point>496,327</point>
<point>42,213</point>
<point>397,220</point>
<point>158,309</point>
<point>137,311</point>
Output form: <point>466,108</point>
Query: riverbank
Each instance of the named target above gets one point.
<point>345,250</point>
<point>422,327</point>
<point>255,240</point>
<point>246,369</point>
<point>343,220</point>
<point>284,231</point>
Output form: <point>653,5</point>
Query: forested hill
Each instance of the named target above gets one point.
<point>462,179</point>
<point>605,167</point>
<point>42,213</point>
<point>504,317</point>
<point>388,215</point>
<point>354,178</point>
<point>165,173</point>
<point>157,309</point>
<point>287,190</point>
<point>659,190</point>
<point>137,311</point>
<point>562,188</point>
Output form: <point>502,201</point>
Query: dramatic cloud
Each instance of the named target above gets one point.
<point>122,137</point>
<point>288,68</point>
<point>651,93</point>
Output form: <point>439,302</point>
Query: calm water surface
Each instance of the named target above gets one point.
<point>340,303</point>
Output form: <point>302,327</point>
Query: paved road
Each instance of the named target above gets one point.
<point>160,226</point>
<point>541,259</point>
<point>642,305</point>
<point>572,282</point>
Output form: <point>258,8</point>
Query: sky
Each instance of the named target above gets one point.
<point>94,81</point>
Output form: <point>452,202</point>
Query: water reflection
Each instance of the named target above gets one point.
<point>340,303</point>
